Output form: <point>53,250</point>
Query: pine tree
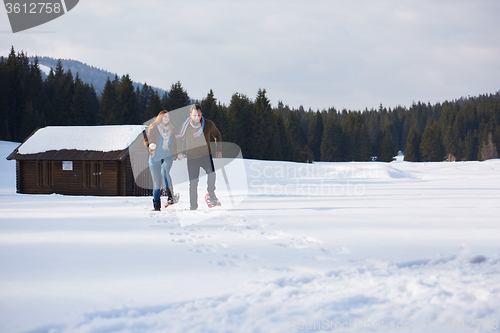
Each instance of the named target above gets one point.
<point>431,146</point>
<point>489,149</point>
<point>465,132</point>
<point>385,147</point>
<point>144,96</point>
<point>316,128</point>
<point>220,118</point>
<point>285,152</point>
<point>4,132</point>
<point>108,103</point>
<point>294,128</point>
<point>128,112</point>
<point>84,105</point>
<point>357,140</point>
<point>59,95</point>
<point>209,105</point>
<point>241,124</point>
<point>31,79</point>
<point>76,113</point>
<point>265,136</point>
<point>15,94</point>
<point>298,143</point>
<point>372,120</point>
<point>332,142</point>
<point>470,145</point>
<point>388,146</point>
<point>447,119</point>
<point>35,83</point>
<point>412,150</point>
<point>154,107</point>
<point>32,119</point>
<point>176,98</point>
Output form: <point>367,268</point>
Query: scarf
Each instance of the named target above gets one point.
<point>188,121</point>
<point>165,133</point>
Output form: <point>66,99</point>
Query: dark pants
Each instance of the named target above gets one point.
<point>194,165</point>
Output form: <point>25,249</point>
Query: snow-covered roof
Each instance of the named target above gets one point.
<point>84,138</point>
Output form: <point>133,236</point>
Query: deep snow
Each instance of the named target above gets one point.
<point>321,247</point>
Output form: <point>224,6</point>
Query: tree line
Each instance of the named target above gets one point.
<point>464,129</point>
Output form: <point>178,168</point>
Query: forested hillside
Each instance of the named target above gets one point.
<point>462,129</point>
<point>89,74</point>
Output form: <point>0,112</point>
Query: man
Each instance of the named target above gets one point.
<point>195,132</point>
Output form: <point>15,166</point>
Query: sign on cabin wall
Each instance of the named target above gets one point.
<point>67,165</point>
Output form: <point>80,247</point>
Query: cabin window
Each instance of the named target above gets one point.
<point>44,176</point>
<point>92,174</point>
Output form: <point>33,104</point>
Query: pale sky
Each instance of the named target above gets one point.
<point>347,54</point>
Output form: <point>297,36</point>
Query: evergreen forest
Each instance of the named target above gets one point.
<point>464,129</point>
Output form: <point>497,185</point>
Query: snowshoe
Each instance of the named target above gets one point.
<point>173,200</point>
<point>212,200</point>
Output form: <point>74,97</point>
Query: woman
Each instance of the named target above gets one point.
<point>161,142</point>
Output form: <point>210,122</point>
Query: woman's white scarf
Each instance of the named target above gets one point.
<point>165,134</point>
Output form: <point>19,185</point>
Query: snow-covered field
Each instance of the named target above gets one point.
<point>357,247</point>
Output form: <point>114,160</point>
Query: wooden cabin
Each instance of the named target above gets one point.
<point>82,160</point>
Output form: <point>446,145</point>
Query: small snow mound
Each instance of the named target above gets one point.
<point>387,171</point>
<point>400,157</point>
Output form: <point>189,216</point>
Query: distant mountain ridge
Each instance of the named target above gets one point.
<point>88,74</point>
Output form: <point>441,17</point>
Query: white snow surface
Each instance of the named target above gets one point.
<point>91,138</point>
<point>359,247</point>
<point>45,69</point>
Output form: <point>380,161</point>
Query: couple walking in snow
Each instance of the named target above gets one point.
<point>165,146</point>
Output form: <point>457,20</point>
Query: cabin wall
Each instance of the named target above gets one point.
<point>33,179</point>
<point>128,177</point>
<point>141,184</point>
<point>18,176</point>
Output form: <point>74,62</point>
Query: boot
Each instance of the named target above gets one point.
<point>213,199</point>
<point>157,205</point>
<point>171,198</point>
